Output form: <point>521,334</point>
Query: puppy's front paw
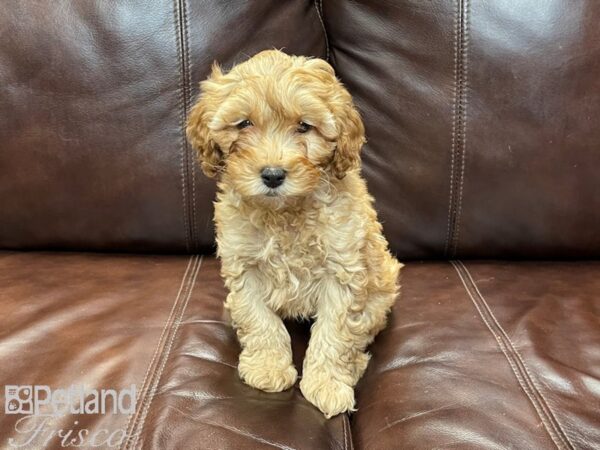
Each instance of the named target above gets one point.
<point>331,396</point>
<point>267,371</point>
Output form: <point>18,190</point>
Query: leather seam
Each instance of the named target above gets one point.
<point>516,362</point>
<point>452,139</point>
<point>157,351</point>
<point>464,101</point>
<point>459,126</point>
<point>182,106</point>
<point>186,107</point>
<point>182,140</point>
<point>544,402</point>
<point>344,440</point>
<point>180,306</point>
<point>347,433</point>
<point>319,7</point>
<point>344,432</point>
<point>167,353</point>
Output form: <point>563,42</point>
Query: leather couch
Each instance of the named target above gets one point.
<point>483,157</point>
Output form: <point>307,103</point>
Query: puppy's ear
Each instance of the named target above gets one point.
<point>350,133</point>
<point>316,65</point>
<point>347,122</point>
<point>198,133</point>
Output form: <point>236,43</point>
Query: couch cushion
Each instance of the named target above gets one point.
<point>112,321</point>
<point>487,355</point>
<point>92,111</point>
<point>480,122</point>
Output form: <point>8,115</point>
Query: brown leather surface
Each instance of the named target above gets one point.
<point>93,98</point>
<point>486,355</point>
<point>108,321</point>
<point>201,402</point>
<point>480,118</point>
<point>81,319</point>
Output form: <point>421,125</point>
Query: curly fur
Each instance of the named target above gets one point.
<point>313,247</point>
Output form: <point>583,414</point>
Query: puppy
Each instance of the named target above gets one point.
<point>296,230</point>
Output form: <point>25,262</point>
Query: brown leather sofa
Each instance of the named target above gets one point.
<point>484,159</point>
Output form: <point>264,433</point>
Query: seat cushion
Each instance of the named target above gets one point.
<point>156,322</point>
<point>476,355</point>
<point>487,355</point>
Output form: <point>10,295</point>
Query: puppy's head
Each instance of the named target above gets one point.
<point>275,125</point>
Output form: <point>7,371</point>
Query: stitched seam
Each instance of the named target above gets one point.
<point>319,7</point>
<point>344,432</point>
<point>164,356</point>
<point>458,141</point>
<point>167,353</point>
<point>344,441</point>
<point>535,386</point>
<point>188,91</point>
<point>182,119</point>
<point>511,363</point>
<point>523,377</point>
<point>453,135</point>
<point>464,102</point>
<point>131,437</point>
<point>348,433</point>
<point>159,346</point>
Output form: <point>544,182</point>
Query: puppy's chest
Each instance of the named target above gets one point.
<point>293,261</point>
<point>291,252</point>
<point>297,249</point>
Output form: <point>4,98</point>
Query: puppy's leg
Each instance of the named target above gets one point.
<point>336,359</point>
<point>266,358</point>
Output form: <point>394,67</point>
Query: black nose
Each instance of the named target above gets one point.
<point>272,176</point>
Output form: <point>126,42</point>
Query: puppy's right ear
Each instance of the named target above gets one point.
<point>198,133</point>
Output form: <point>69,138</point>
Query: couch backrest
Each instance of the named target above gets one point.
<point>482,118</point>
<point>93,102</point>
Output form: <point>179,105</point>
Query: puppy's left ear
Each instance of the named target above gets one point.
<point>349,126</point>
<point>198,133</point>
<point>350,131</point>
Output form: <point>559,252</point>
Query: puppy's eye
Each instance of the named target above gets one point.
<point>244,124</point>
<point>303,127</point>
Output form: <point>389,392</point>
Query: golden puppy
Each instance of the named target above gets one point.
<point>296,230</point>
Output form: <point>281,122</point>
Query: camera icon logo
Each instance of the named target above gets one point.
<point>18,399</point>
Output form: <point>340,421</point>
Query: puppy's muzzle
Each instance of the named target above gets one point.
<point>272,176</point>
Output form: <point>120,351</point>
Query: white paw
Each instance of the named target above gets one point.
<point>267,371</point>
<point>331,396</point>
